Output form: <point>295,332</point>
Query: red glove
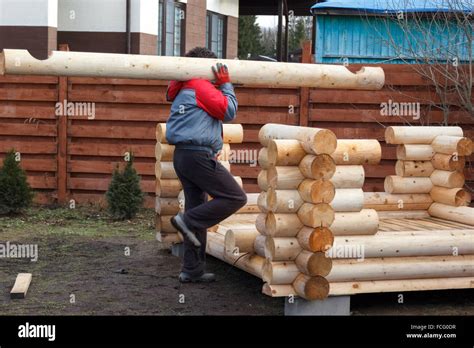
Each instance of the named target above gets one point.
<point>221,73</point>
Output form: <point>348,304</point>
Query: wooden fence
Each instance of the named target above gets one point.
<point>73,157</point>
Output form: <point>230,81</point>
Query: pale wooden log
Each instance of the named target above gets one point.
<point>262,202</point>
<point>316,215</point>
<point>315,239</point>
<point>283,201</point>
<point>311,288</point>
<point>416,152</point>
<point>62,63</point>
<point>357,151</point>
<point>448,162</point>
<point>240,219</point>
<point>314,264</point>
<point>282,225</point>
<point>281,248</point>
<point>413,168</point>
<point>181,201</point>
<point>317,191</point>
<point>354,223</point>
<point>225,154</point>
<point>263,158</point>
<point>232,133</point>
<point>284,152</point>
<point>314,140</point>
<point>279,272</point>
<point>464,215</point>
<point>167,206</point>
<point>166,226</point>
<point>450,196</point>
<point>169,238</point>
<point>274,290</point>
<point>168,188</point>
<point>164,152</point>
<point>382,201</point>
<point>452,145</point>
<point>405,243</point>
<point>259,245</point>
<point>167,170</point>
<point>260,224</point>
<point>158,169</point>
<point>239,240</point>
<point>251,207</point>
<point>262,180</point>
<point>379,286</point>
<point>284,178</point>
<point>447,179</point>
<point>402,268</point>
<point>317,166</point>
<point>352,176</point>
<point>418,134</point>
<point>160,133</point>
<point>22,283</point>
<point>398,184</point>
<point>404,214</point>
<point>348,200</point>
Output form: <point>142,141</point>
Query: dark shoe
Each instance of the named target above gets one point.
<point>204,278</point>
<point>178,223</point>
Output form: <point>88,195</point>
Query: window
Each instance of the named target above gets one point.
<point>171,28</point>
<point>216,33</point>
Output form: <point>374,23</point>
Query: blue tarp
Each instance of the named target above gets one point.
<point>394,6</point>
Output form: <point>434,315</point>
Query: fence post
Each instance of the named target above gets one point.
<point>61,170</point>
<point>304,91</point>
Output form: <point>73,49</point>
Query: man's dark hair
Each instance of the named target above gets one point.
<point>201,52</point>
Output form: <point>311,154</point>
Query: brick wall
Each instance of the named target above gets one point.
<point>232,37</point>
<point>195,24</point>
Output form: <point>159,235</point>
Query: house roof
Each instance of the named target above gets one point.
<point>392,6</point>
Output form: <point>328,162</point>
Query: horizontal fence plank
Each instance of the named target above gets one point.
<point>102,184</point>
<point>36,165</point>
<point>28,147</point>
<point>37,129</point>
<point>107,167</point>
<point>30,110</point>
<point>119,150</point>
<point>28,92</point>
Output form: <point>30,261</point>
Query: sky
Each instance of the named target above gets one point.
<point>267,21</point>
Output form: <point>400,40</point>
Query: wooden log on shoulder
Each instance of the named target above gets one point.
<point>284,152</point>
<point>314,140</point>
<point>448,162</point>
<point>311,288</point>
<point>317,166</point>
<point>155,67</point>
<point>418,134</point>
<point>316,215</point>
<point>447,179</point>
<point>413,168</point>
<point>464,215</point>
<point>383,201</point>
<point>279,272</point>
<point>313,264</point>
<point>282,248</point>
<point>263,158</point>
<point>315,239</point>
<point>415,152</point>
<point>354,223</point>
<point>452,145</point>
<point>284,178</point>
<point>352,176</point>
<point>348,200</point>
<point>398,184</point>
<point>401,268</point>
<point>282,225</point>
<point>283,201</point>
<point>380,286</point>
<point>240,240</point>
<point>450,196</point>
<point>317,191</point>
<point>357,151</point>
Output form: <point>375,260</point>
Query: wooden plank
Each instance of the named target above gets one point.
<point>35,165</point>
<point>112,131</point>
<point>28,92</point>
<point>22,283</point>
<point>37,147</point>
<point>102,184</point>
<point>118,94</point>
<point>62,139</point>
<point>29,79</point>
<point>30,129</point>
<point>29,110</point>
<point>107,167</point>
<point>103,149</point>
<point>42,182</point>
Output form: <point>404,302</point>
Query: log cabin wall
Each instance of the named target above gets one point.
<point>73,157</point>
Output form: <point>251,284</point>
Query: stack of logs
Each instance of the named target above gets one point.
<point>429,170</point>
<point>169,194</point>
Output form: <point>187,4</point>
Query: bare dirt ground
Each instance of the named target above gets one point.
<point>83,269</point>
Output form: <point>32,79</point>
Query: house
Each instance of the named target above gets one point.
<point>393,31</point>
<point>162,27</point>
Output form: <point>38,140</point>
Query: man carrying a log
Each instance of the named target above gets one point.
<point>195,128</point>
